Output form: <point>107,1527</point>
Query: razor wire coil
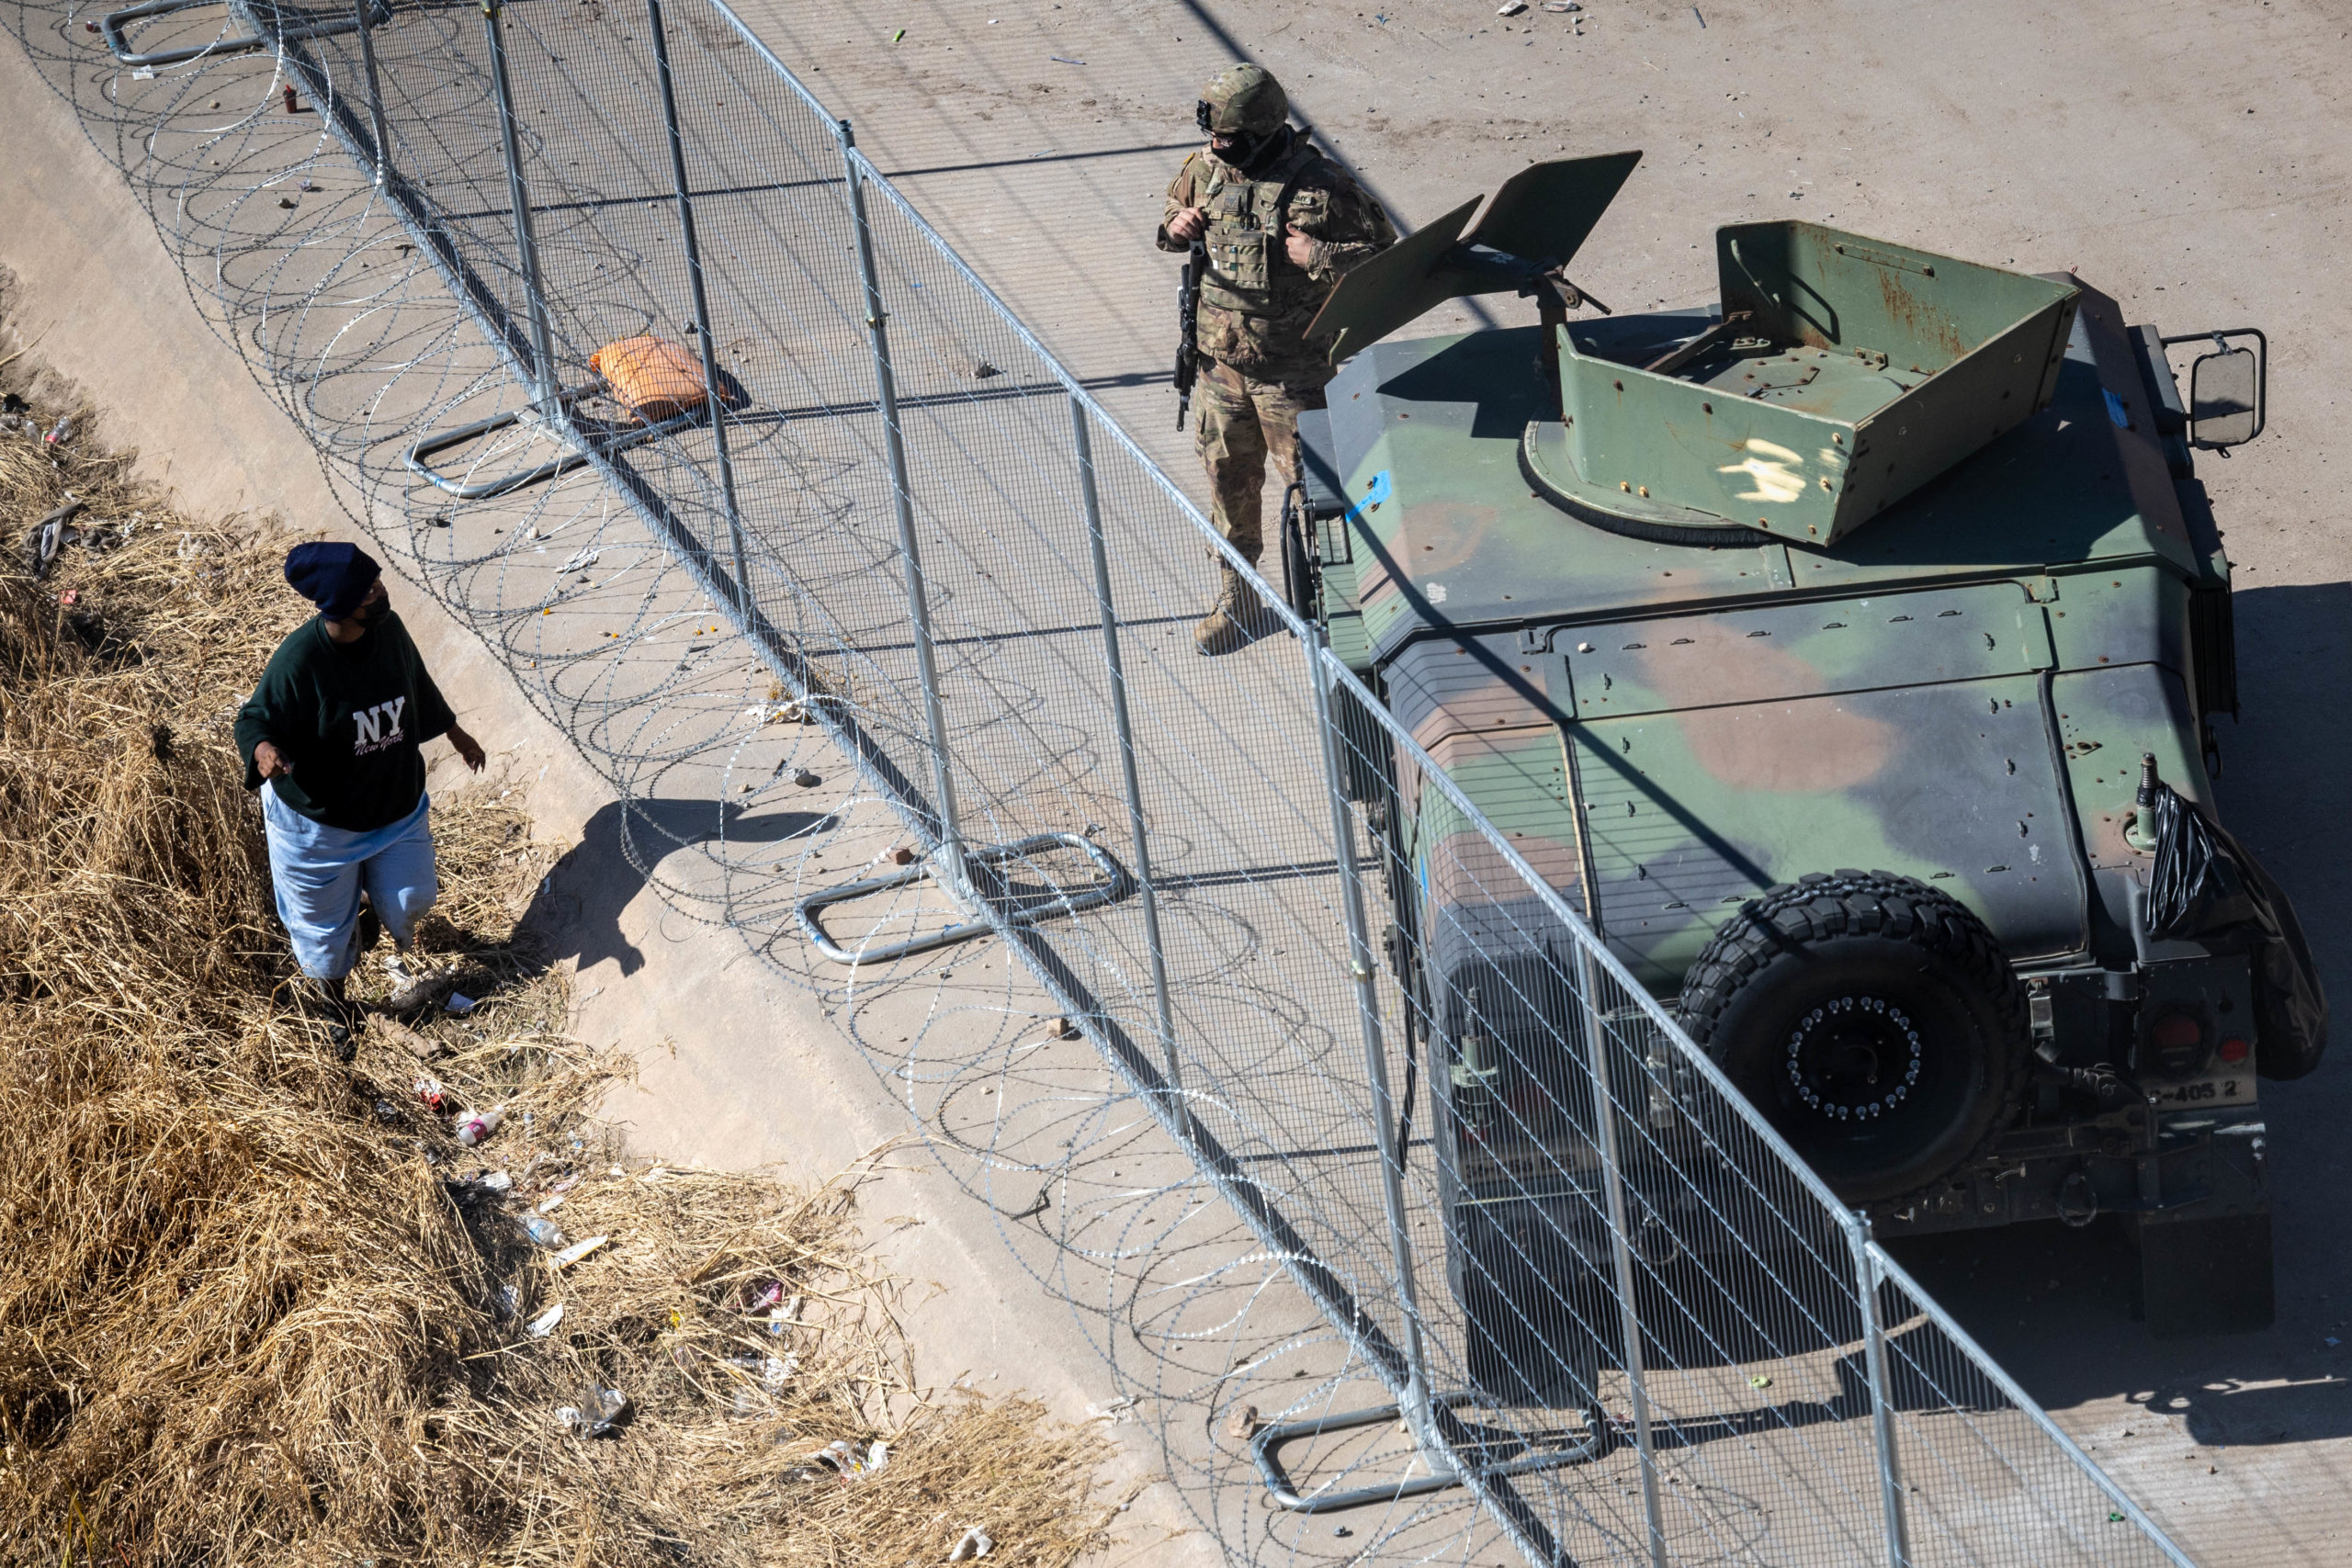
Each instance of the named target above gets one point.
<point>1579,1283</point>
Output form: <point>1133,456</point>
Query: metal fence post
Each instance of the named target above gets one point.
<point>716,401</point>
<point>1620,1252</point>
<point>375,94</point>
<point>526,244</point>
<point>951,838</point>
<point>1867,1278</point>
<point>1083,440</point>
<point>1415,1401</point>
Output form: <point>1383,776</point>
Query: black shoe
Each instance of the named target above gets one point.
<point>336,1006</point>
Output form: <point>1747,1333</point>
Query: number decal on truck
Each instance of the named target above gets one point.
<point>2237,1090</point>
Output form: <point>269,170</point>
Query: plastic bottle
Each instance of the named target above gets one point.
<point>61,432</point>
<point>542,1231</point>
<point>472,1130</point>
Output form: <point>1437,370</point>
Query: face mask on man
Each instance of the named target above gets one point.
<point>1248,151</point>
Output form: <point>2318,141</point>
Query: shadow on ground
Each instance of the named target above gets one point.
<point>578,909</point>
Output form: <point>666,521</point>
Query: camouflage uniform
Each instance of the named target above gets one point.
<point>1254,311</point>
<point>1261,369</point>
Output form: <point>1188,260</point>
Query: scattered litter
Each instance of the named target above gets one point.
<point>776,1370</point>
<point>1703,21</point>
<point>1511,7</point>
<point>459,1003</point>
<point>598,1413</point>
<point>1562,8</point>
<point>1242,1425</point>
<point>472,1130</point>
<point>290,107</point>
<point>2113,1517</point>
<point>983,370</point>
<point>1064,60</point>
<point>1065,1030</point>
<point>581,559</point>
<point>550,1205</point>
<point>1118,1411</point>
<point>387,1112</point>
<point>576,1251</point>
<point>147,74</point>
<point>495,1181</point>
<point>897,36</point>
<point>2331,1341</point>
<point>61,432</point>
<point>542,1231</point>
<point>1759,1381</point>
<point>1342,1531</point>
<point>49,536</point>
<point>544,1324</point>
<point>510,1300</point>
<point>845,1460</point>
<point>976,1542</point>
<point>430,1091</point>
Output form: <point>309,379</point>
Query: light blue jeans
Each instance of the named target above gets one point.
<point>318,871</point>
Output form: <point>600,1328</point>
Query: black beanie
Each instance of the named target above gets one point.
<point>333,577</point>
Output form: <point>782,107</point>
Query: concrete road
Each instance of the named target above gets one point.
<point>2191,161</point>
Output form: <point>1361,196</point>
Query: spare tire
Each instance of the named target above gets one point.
<point>1872,1020</point>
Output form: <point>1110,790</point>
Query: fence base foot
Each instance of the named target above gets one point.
<point>1263,1445</point>
<point>984,859</point>
<point>118,43</point>
<point>416,457</point>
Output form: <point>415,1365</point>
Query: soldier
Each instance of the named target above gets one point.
<point>1281,223</point>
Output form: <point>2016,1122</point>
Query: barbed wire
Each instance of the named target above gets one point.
<point>728,638</point>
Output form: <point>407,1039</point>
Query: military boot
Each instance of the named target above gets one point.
<point>1239,619</point>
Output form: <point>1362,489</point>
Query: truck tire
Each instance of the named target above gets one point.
<point>1872,1020</point>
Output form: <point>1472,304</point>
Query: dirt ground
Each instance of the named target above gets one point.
<point>2192,161</point>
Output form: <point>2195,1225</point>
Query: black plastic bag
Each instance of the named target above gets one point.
<point>2205,885</point>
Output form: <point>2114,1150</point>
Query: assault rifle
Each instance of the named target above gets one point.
<point>1188,328</point>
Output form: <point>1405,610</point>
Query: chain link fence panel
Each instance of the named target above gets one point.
<point>1417,1229</point>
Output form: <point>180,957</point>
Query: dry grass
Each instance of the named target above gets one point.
<point>257,1307</point>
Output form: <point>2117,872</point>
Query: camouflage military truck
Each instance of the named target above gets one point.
<point>1886,561</point>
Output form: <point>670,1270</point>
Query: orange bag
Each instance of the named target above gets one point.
<point>655,379</point>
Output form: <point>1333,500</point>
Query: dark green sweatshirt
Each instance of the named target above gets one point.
<point>352,718</point>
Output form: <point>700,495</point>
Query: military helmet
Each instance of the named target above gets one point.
<point>1243,100</point>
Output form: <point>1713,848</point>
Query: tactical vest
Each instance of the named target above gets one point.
<point>1247,271</point>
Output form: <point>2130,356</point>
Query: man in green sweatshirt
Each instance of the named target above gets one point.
<point>332,738</point>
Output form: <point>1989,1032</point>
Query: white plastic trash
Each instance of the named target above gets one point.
<point>544,1324</point>
<point>976,1543</point>
<point>577,1250</point>
<point>472,1130</point>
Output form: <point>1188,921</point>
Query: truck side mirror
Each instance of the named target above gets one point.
<point>2228,387</point>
